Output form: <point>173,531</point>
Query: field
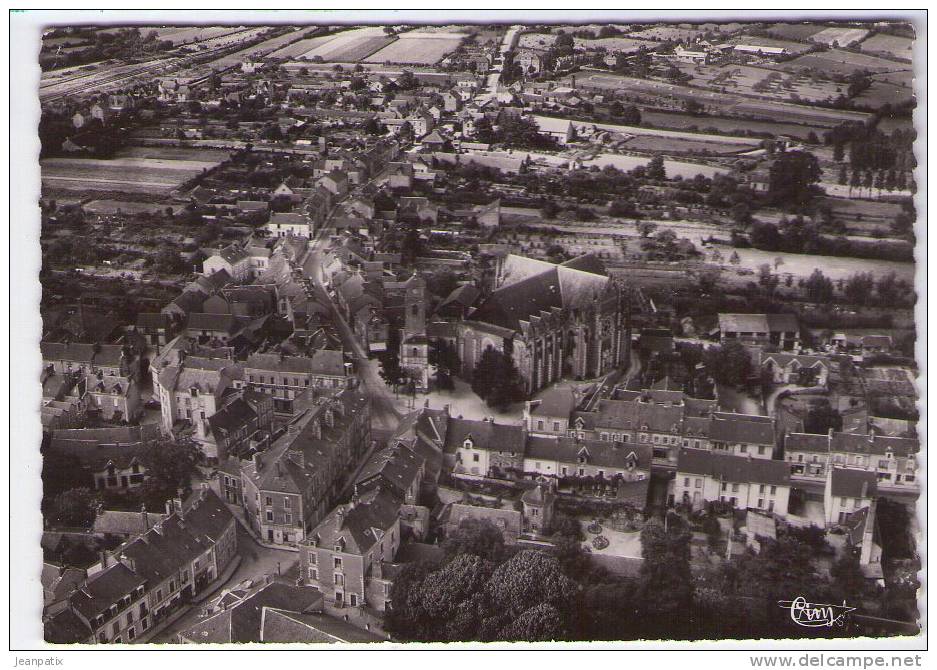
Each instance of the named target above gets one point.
<point>536,41</point>
<point>610,44</point>
<point>666,33</point>
<point>350,46</point>
<point>710,124</point>
<point>262,49</point>
<point>297,49</point>
<point>111,207</point>
<point>174,153</point>
<point>899,47</point>
<point>843,62</point>
<point>794,31</point>
<point>127,175</point>
<point>673,168</point>
<point>183,34</point>
<point>761,82</point>
<point>884,92</point>
<point>843,37</point>
<point>418,48</point>
<point>650,144</point>
<point>722,104</point>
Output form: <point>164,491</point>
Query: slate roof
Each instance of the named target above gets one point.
<point>358,526</point>
<point>66,627</point>
<point>322,362</point>
<point>242,622</point>
<point>153,320</point>
<point>218,323</point>
<point>313,627</point>
<point>850,483</point>
<point>96,447</point>
<point>734,468</point>
<point>104,589</point>
<point>395,465</point>
<point>758,323</point>
<point>741,428</point>
<point>877,445</point>
<point>486,435</point>
<point>555,401</point>
<point>233,254</point>
<point>807,442</point>
<point>117,522</point>
<point>597,453</point>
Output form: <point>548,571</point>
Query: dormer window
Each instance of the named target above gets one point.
<point>468,444</point>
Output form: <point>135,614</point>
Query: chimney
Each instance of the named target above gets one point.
<point>203,492</point>
<point>865,489</point>
<point>168,507</point>
<point>258,462</point>
<point>103,559</point>
<point>339,516</point>
<point>145,517</point>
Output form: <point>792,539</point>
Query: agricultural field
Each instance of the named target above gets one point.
<point>899,47</point>
<point>884,92</point>
<point>418,48</point>
<point>303,46</point>
<point>350,46</point>
<point>610,44</point>
<point>798,32</point>
<point>126,175</point>
<point>714,124</point>
<point>179,35</point>
<point>666,33</point>
<point>262,49</point>
<point>537,41</point>
<point>675,145</point>
<point>232,39</point>
<point>724,28</point>
<point>842,37</point>
<point>174,153</point>
<point>763,82</point>
<point>112,207</point>
<point>673,168</point>
<point>863,216</point>
<point>843,62</point>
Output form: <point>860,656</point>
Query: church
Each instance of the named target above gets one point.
<point>565,320</point>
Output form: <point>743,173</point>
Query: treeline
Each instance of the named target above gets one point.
<point>797,236</point>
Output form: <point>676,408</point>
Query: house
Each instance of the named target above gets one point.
<point>509,521</point>
<point>283,224</point>
<point>799,369</point>
<point>424,432</point>
<point>457,305</point>
<point>761,50</point>
<point>692,57</point>
<point>893,460</point>
<point>808,455</point>
<point>335,182</point>
<point>107,359</point>
<point>537,506</point>
<point>550,413</point>
<point>778,330</point>
<point>347,548</point>
<point>215,328</point>
<point>742,435</point>
<point>400,470</point>
<point>113,398</point>
<point>155,327</point>
<point>739,481</point>
<point>847,491</point>
<point>862,536</point>
<point>112,458</point>
<point>530,62</point>
<point>242,425</point>
<point>233,259</point>
<point>560,130</point>
<point>285,378</point>
<point>289,487</point>
<point>483,447</point>
<point>123,525</point>
<point>192,389</point>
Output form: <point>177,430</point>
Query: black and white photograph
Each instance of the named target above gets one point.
<point>488,328</point>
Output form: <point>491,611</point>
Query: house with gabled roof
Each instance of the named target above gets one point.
<point>847,490</point>
<point>113,458</point>
<point>801,369</point>
<point>481,447</point>
<point>742,482</point>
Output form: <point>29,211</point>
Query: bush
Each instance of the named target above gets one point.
<point>595,528</point>
<point>600,542</point>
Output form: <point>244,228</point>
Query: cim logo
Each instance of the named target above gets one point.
<point>816,615</point>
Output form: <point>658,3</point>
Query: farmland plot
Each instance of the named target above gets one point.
<point>839,36</point>
<point>304,46</point>
<point>418,48</point>
<point>844,62</point>
<point>130,175</point>
<point>899,47</point>
<point>666,33</point>
<point>794,31</point>
<point>792,47</point>
<point>349,45</point>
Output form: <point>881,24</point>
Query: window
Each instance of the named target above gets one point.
<point>269,501</point>
<point>115,628</point>
<point>131,633</point>
<point>774,489</point>
<point>475,458</point>
<point>770,505</point>
<point>761,489</point>
<point>735,488</point>
<point>337,562</point>
<point>538,465</point>
<point>698,484</point>
<point>354,600</point>
<point>540,425</point>
<point>312,558</point>
<point>761,503</point>
<point>761,451</point>
<point>725,487</point>
<point>288,518</point>
<point>686,482</point>
<point>339,579</point>
<point>286,503</point>
<point>556,426</point>
<point>269,516</point>
<point>743,448</point>
<point>314,574</point>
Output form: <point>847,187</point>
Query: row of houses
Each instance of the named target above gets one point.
<point>133,589</point>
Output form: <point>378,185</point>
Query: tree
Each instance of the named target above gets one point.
<point>734,258</point>
<point>444,356</point>
<point>858,288</point>
<point>631,116</point>
<point>476,537</point>
<point>791,178</point>
<point>665,588</point>
<point>528,579</point>
<point>818,287</point>
<point>550,209</point>
<point>541,623</point>
<point>729,363</point>
<point>821,418</point>
<point>496,380</point>
<point>624,208</point>
<point>646,228</point>
<point>170,467</point>
<point>168,261</point>
<point>767,279</point>
<point>655,169</point>
<point>74,507</point>
<point>778,262</point>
